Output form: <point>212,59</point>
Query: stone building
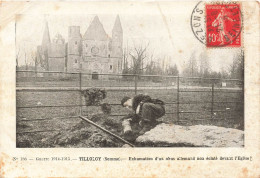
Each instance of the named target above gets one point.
<point>94,52</point>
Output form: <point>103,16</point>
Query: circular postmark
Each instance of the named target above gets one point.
<point>198,22</point>
<point>217,24</point>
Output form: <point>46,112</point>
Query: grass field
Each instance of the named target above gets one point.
<point>42,119</point>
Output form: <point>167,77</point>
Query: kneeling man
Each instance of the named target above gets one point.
<point>145,111</point>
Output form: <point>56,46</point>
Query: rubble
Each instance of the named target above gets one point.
<point>193,136</point>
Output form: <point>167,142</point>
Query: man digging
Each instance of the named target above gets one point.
<point>145,112</point>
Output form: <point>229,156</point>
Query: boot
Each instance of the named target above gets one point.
<point>146,127</point>
<point>129,136</point>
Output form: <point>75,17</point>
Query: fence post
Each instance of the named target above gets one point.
<point>35,74</point>
<point>135,84</point>
<point>212,99</point>
<point>178,88</point>
<point>80,97</point>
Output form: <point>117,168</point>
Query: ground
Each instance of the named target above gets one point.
<point>44,127</point>
<point>192,136</point>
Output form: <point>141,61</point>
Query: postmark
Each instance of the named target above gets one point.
<point>217,24</point>
<point>198,22</point>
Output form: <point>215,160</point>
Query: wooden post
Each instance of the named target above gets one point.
<point>118,80</point>
<point>35,70</point>
<point>178,88</point>
<point>243,96</point>
<point>212,99</point>
<point>80,95</point>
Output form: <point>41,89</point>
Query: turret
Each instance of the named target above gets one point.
<point>74,40</point>
<point>117,43</point>
<point>74,49</point>
<point>46,41</point>
<point>46,37</point>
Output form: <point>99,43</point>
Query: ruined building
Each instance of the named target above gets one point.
<point>94,52</point>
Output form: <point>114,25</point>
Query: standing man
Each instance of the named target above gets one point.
<point>145,111</point>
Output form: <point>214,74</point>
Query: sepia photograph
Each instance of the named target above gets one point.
<point>129,89</point>
<point>124,80</point>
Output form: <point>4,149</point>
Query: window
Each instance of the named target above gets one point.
<point>111,67</point>
<point>86,45</point>
<point>76,61</point>
<point>76,42</point>
<point>109,55</point>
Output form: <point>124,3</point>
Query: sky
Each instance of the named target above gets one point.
<point>166,29</point>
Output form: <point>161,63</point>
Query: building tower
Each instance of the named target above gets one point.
<point>46,41</point>
<point>74,49</point>
<point>57,54</point>
<point>117,43</point>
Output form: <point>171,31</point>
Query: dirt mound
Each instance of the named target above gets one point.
<point>86,135</point>
<point>198,135</point>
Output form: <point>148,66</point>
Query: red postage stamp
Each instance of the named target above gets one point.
<point>223,25</point>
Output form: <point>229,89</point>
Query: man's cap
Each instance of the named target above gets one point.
<point>124,100</point>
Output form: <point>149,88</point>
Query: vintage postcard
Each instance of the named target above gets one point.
<point>129,89</point>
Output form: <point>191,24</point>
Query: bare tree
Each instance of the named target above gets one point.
<point>224,72</point>
<point>191,68</point>
<point>163,63</point>
<point>236,69</point>
<point>125,58</point>
<point>34,59</point>
<point>25,60</point>
<point>138,55</point>
<point>17,57</point>
<point>150,65</point>
<point>205,68</point>
<point>193,65</point>
<point>173,70</point>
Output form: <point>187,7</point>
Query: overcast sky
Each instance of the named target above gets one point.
<point>168,31</point>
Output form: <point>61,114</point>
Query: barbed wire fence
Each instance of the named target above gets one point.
<point>52,81</point>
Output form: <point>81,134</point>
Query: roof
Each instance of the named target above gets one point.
<point>117,26</point>
<point>46,36</point>
<point>95,31</point>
